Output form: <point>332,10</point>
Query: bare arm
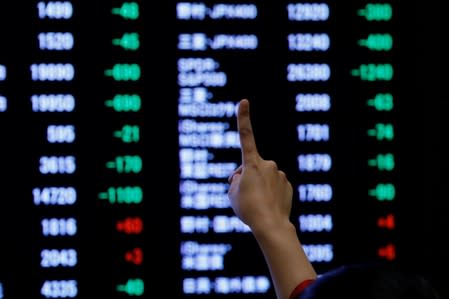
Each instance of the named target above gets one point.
<point>261,196</point>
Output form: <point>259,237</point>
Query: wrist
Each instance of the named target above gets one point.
<point>274,231</point>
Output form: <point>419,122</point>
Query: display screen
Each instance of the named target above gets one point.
<point>119,133</point>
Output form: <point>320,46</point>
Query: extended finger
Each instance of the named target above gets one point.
<point>247,141</point>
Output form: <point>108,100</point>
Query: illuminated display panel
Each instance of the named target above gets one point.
<point>119,132</point>
<point>326,94</point>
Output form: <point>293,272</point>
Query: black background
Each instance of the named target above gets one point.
<point>422,117</point>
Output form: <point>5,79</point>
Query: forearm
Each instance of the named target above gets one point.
<point>285,257</point>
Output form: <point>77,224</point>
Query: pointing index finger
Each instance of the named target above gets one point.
<point>247,141</point>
